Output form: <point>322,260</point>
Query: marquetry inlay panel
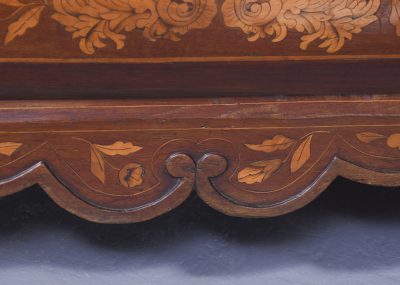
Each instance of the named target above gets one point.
<point>330,21</point>
<point>129,161</point>
<point>197,30</point>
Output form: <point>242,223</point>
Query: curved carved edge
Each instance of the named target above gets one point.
<point>212,165</point>
<point>178,165</point>
<point>132,170</point>
<point>181,165</point>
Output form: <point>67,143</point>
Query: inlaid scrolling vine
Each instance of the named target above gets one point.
<point>94,22</point>
<point>299,153</point>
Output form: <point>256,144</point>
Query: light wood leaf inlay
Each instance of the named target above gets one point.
<point>95,22</point>
<point>395,16</point>
<point>298,151</point>
<point>259,171</point>
<point>8,148</point>
<point>130,176</point>
<point>392,141</point>
<point>28,20</point>
<point>118,148</point>
<point>331,21</point>
<point>301,155</point>
<point>278,142</point>
<point>368,137</point>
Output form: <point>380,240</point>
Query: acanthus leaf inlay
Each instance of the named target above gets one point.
<point>94,22</point>
<point>331,21</point>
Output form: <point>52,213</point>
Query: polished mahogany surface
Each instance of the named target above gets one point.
<point>121,109</point>
<point>120,49</point>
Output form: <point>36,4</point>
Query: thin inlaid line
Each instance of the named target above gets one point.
<point>202,105</point>
<point>199,128</point>
<point>199,59</point>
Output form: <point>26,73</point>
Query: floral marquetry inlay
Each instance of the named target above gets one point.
<point>299,154</point>
<point>330,21</point>
<point>94,22</point>
<point>130,175</point>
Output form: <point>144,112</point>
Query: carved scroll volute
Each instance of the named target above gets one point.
<point>332,22</point>
<point>183,16</point>
<point>251,15</point>
<point>208,167</point>
<point>95,23</point>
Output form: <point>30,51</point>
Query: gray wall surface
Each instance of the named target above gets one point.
<point>349,235</point>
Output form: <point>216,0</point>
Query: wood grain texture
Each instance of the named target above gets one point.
<point>197,48</point>
<point>197,30</point>
<point>120,161</point>
<point>185,80</point>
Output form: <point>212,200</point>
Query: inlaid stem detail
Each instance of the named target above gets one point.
<point>94,22</point>
<point>331,21</point>
<point>299,154</point>
<point>131,175</point>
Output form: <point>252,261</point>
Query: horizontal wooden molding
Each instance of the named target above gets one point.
<point>117,163</point>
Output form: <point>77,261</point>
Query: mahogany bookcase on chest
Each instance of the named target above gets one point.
<point>120,109</point>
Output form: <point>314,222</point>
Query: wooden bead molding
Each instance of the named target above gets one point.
<point>122,161</point>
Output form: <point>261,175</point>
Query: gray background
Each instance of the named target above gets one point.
<point>349,235</point>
